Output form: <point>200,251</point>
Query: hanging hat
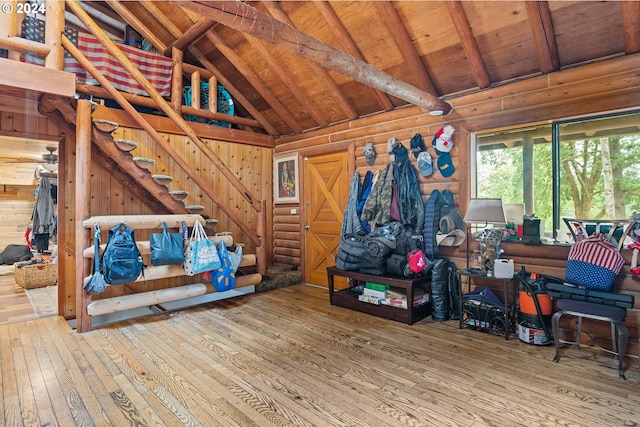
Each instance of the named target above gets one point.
<point>445,165</point>
<point>401,154</point>
<point>370,153</point>
<point>454,238</point>
<point>391,144</point>
<point>425,163</point>
<point>443,141</point>
<point>417,145</point>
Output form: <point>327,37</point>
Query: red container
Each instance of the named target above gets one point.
<point>528,305</point>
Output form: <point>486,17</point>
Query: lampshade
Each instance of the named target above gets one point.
<point>488,211</point>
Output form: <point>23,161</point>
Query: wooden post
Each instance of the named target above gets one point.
<point>9,25</point>
<point>213,94</point>
<point>261,248</point>
<point>177,57</point>
<point>82,210</point>
<point>54,27</point>
<point>195,90</point>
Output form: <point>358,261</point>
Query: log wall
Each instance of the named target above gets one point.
<point>595,88</point>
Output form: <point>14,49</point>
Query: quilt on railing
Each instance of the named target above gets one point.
<point>156,68</point>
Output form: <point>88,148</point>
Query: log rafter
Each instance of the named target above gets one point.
<point>255,81</point>
<point>176,32</point>
<point>289,38</point>
<point>324,77</point>
<point>191,35</point>
<point>402,40</point>
<point>543,35</point>
<point>349,45</point>
<point>469,44</point>
<point>298,94</point>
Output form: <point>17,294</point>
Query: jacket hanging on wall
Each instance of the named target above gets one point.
<point>44,217</point>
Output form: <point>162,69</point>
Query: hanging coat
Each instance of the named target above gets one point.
<point>44,214</point>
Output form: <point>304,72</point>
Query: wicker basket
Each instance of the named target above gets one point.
<point>36,275</point>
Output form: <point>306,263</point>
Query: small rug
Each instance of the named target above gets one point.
<point>44,300</point>
<point>278,277</point>
<point>6,270</point>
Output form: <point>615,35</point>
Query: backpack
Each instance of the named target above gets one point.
<point>121,260</point>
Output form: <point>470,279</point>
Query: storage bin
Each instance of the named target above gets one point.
<point>36,275</point>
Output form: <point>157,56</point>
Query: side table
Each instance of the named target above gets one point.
<point>509,300</point>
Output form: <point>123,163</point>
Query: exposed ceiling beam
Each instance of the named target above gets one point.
<point>323,75</point>
<point>191,35</point>
<point>543,35</point>
<point>286,78</point>
<point>245,18</point>
<point>106,20</point>
<point>140,27</point>
<point>401,38</point>
<point>235,93</point>
<point>631,25</point>
<point>469,45</point>
<point>349,45</point>
<point>255,81</point>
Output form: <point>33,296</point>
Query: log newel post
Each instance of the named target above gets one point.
<point>54,27</point>
<point>177,57</point>
<point>261,248</point>
<point>82,211</point>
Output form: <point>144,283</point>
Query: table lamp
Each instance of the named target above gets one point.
<point>483,211</point>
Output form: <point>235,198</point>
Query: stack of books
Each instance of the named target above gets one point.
<point>381,294</point>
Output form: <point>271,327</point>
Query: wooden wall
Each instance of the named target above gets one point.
<point>595,88</point>
<point>17,181</point>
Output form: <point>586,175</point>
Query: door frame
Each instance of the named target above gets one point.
<point>350,147</point>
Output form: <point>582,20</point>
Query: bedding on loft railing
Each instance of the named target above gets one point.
<point>156,68</point>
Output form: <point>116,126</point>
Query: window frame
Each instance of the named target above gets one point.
<point>555,154</point>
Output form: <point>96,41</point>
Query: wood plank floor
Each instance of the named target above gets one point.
<point>14,303</point>
<point>287,358</point>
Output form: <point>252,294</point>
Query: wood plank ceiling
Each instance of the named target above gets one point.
<point>439,48</point>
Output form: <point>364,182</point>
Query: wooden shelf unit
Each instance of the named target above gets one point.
<point>345,298</point>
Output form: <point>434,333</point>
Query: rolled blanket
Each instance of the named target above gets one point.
<point>379,246</point>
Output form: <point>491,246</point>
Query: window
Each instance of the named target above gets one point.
<point>587,168</point>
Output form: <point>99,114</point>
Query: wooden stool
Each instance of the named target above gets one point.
<point>606,313</point>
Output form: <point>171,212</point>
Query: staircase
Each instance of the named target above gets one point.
<point>134,299</point>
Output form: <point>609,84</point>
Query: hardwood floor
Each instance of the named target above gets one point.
<point>14,303</point>
<point>287,358</point>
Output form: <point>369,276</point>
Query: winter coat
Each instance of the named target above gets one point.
<point>409,198</point>
<point>378,204</point>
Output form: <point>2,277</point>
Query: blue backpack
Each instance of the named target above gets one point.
<point>121,260</point>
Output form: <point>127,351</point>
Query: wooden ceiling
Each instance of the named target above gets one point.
<point>439,48</point>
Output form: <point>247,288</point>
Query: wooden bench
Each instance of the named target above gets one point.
<point>348,299</point>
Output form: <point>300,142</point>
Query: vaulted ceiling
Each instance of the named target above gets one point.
<point>296,72</point>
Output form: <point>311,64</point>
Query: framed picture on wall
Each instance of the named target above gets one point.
<point>286,188</point>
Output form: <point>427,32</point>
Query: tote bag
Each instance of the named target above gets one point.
<point>201,254</point>
<point>223,278</point>
<point>166,248</point>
